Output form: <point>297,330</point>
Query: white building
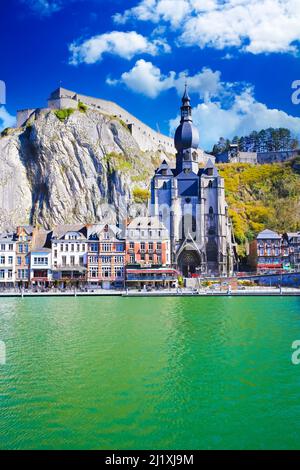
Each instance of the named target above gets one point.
<point>69,253</point>
<point>7,260</point>
<point>40,258</point>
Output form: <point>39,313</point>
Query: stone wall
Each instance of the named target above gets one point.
<point>280,156</point>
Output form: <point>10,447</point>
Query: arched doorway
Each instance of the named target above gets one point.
<point>188,261</point>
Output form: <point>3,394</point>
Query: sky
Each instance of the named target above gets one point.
<point>240,59</point>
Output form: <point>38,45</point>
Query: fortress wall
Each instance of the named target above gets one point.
<point>147,138</point>
<point>23,115</point>
<point>280,156</point>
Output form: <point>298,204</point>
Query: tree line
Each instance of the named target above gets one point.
<point>265,140</point>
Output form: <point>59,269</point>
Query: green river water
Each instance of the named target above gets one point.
<point>149,373</point>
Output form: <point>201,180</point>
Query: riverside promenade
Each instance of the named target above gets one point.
<point>176,292</point>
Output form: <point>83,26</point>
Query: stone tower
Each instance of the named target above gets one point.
<point>191,203</point>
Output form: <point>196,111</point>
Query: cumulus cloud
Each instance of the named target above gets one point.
<point>255,26</point>
<point>123,44</point>
<point>147,79</point>
<point>243,116</point>
<point>6,120</point>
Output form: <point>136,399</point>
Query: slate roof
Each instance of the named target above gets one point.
<point>268,235</point>
<point>61,230</point>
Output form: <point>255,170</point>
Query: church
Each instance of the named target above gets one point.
<point>190,201</point>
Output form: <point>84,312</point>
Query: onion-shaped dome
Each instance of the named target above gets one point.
<point>186,136</point>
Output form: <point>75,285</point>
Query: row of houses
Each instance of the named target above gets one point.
<point>95,255</point>
<point>272,251</point>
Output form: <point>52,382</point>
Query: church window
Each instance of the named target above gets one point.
<point>211,211</point>
<point>194,224</point>
<point>210,184</point>
<point>210,171</point>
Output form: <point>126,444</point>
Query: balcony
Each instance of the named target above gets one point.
<point>70,267</point>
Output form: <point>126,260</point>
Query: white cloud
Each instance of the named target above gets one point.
<point>124,44</point>
<point>174,12</point>
<point>243,116</point>
<point>147,79</point>
<point>6,120</point>
<point>256,26</point>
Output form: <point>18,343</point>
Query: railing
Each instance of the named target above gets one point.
<point>69,266</point>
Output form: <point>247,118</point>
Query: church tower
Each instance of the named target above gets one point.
<point>190,201</point>
<point>186,138</point>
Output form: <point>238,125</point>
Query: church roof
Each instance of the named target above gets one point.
<point>164,167</point>
<point>186,136</point>
<point>210,166</point>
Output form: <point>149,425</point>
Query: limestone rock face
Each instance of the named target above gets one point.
<point>65,171</point>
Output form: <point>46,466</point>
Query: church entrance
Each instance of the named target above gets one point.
<point>188,261</point>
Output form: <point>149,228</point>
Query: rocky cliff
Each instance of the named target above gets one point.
<point>62,167</point>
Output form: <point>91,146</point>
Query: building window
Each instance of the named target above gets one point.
<point>2,273</point>
<point>83,247</point>
<point>106,247</point>
<point>94,247</point>
<point>20,248</point>
<point>72,247</point>
<point>9,274</point>
<point>72,260</point>
<point>94,272</point>
<point>118,271</point>
<point>131,245</point>
<point>2,259</point>
<point>19,260</point>
<point>106,271</point>
<point>10,260</point>
<point>64,260</point>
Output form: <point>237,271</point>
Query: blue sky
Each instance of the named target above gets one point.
<point>240,56</point>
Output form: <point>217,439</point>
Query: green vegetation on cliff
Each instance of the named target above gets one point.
<point>63,114</point>
<point>262,196</point>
